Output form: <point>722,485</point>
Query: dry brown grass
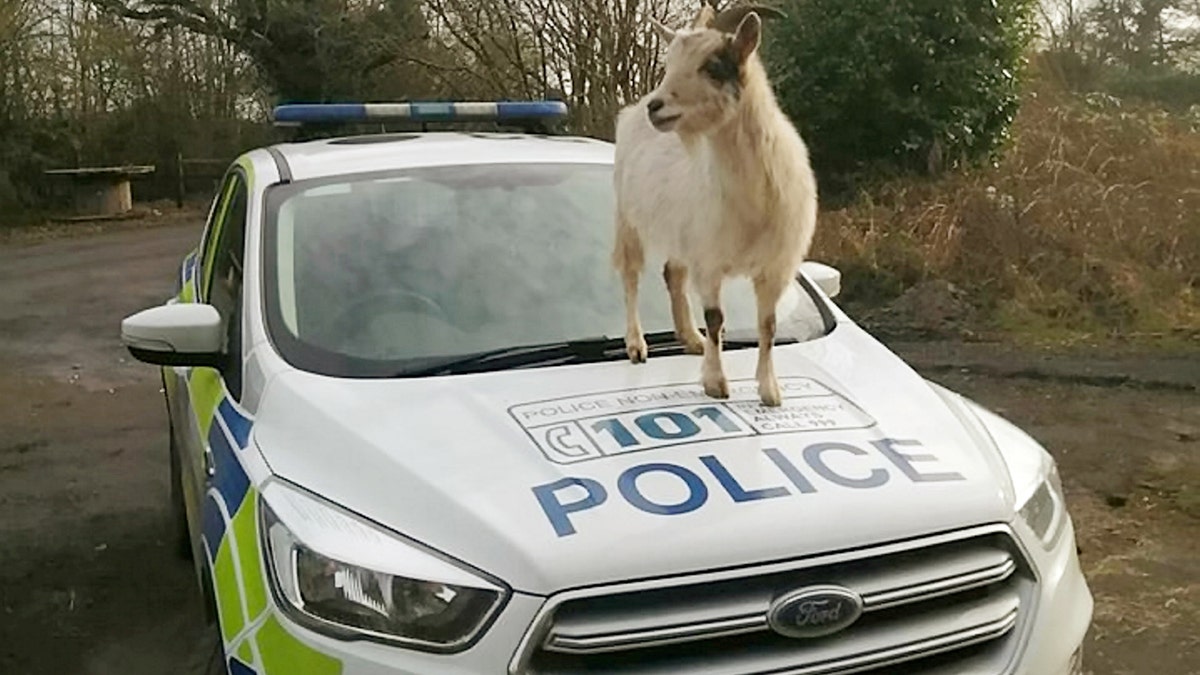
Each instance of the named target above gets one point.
<point>1090,224</point>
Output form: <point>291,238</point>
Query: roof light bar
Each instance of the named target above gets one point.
<point>297,114</point>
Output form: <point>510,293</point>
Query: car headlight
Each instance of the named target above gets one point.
<point>339,575</point>
<point>1037,488</point>
<point>1045,510</point>
<point>1036,483</point>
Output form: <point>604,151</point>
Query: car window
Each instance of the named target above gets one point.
<point>215,210</point>
<point>440,261</point>
<point>223,278</point>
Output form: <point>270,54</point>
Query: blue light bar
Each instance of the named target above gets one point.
<point>297,114</point>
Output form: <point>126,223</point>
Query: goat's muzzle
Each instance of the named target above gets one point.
<point>659,121</point>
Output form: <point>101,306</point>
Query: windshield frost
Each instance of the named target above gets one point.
<point>440,261</point>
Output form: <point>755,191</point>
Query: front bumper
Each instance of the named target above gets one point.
<point>1062,616</point>
<point>1064,611</point>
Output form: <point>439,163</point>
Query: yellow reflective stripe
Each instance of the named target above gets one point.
<point>229,600</point>
<point>205,389</point>
<point>245,653</point>
<point>245,528</point>
<point>222,204</point>
<point>248,167</point>
<point>222,210</point>
<point>283,654</point>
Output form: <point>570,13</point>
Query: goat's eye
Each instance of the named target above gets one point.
<point>720,69</point>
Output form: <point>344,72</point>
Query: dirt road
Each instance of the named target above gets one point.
<point>88,584</point>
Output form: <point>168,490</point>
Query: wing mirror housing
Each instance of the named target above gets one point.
<point>827,278</point>
<point>186,334</point>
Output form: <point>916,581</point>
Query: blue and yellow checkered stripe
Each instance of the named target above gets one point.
<point>254,641</point>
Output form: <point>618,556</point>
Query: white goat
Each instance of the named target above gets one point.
<point>712,175</point>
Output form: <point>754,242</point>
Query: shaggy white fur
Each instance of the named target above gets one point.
<point>711,175</point>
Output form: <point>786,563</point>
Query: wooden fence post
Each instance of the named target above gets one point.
<point>179,187</point>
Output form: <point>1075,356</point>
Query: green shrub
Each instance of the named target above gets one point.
<point>894,86</point>
<point>1172,88</point>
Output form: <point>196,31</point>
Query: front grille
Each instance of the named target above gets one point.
<point>952,604</point>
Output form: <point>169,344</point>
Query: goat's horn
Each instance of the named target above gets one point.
<point>727,20</point>
<point>705,17</point>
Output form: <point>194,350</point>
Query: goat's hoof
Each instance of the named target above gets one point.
<point>716,387</point>
<point>768,392</point>
<point>636,350</point>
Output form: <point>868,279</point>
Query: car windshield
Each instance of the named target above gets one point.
<point>368,273</point>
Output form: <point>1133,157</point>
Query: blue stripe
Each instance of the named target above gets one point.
<point>213,526</point>
<point>530,109</point>
<point>321,112</point>
<point>189,267</point>
<point>186,272</point>
<point>230,478</point>
<point>238,668</point>
<point>239,424</point>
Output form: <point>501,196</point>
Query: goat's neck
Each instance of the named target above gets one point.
<point>739,146</point>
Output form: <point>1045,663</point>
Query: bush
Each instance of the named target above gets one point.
<point>890,85</point>
<point>1174,89</point>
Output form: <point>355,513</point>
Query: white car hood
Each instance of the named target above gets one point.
<point>519,473</point>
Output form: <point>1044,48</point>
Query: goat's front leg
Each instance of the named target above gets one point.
<point>675,274</point>
<point>713,373</point>
<point>768,290</point>
<point>629,259</point>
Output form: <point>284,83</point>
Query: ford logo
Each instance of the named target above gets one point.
<point>814,611</point>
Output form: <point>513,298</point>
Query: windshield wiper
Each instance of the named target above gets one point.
<point>587,350</point>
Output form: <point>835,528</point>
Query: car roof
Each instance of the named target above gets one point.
<point>382,152</point>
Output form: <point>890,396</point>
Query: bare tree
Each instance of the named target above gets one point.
<point>305,49</point>
<point>1063,25</point>
<point>1144,34</point>
<point>595,54</point>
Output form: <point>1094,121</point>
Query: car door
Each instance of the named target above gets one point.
<point>215,279</point>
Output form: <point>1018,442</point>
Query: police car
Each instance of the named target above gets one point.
<point>405,439</point>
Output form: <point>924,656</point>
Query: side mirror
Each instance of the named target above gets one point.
<point>180,334</point>
<point>827,278</point>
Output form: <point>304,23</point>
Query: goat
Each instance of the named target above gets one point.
<point>711,174</point>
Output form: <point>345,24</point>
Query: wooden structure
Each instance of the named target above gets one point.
<point>198,175</point>
<point>100,192</point>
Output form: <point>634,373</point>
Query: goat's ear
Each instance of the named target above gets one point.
<point>705,18</point>
<point>747,36</point>
<point>663,32</point>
